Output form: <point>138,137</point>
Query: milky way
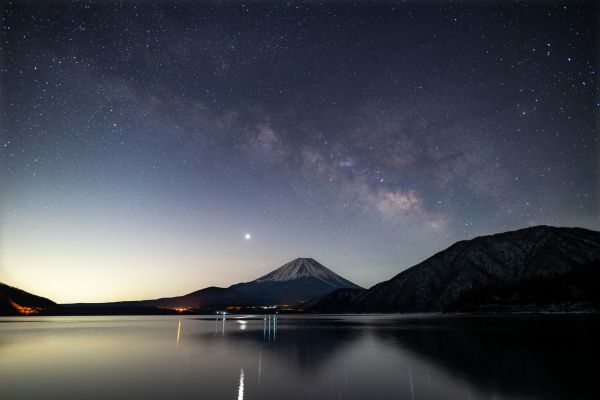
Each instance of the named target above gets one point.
<point>144,141</point>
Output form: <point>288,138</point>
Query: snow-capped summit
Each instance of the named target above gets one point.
<point>305,268</point>
<point>300,279</point>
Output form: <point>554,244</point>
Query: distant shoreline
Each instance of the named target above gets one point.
<point>149,312</point>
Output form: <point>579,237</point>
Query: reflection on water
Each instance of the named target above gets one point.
<point>220,325</point>
<point>269,327</point>
<point>299,357</point>
<point>241,388</point>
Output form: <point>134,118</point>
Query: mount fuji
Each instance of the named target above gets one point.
<point>299,280</point>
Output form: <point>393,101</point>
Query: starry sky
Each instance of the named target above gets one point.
<point>142,142</point>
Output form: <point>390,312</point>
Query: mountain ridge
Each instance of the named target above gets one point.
<point>14,301</point>
<point>531,269</point>
<point>533,257</point>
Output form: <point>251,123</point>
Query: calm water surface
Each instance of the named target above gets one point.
<point>300,357</point>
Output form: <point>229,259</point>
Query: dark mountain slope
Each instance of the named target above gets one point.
<point>492,272</point>
<point>208,298</point>
<point>15,301</point>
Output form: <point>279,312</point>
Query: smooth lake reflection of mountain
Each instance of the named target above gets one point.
<point>300,357</point>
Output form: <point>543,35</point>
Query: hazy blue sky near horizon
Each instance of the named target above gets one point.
<point>140,142</point>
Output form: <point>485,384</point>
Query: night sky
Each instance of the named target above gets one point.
<point>140,143</point>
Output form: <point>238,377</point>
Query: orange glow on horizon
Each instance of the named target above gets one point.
<point>25,310</point>
<point>178,308</point>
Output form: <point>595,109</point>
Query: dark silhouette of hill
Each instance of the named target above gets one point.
<point>537,268</point>
<point>15,301</point>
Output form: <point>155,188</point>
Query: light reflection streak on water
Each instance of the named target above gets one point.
<point>241,387</point>
<point>269,327</point>
<point>259,363</point>
<point>220,318</point>
<point>178,330</point>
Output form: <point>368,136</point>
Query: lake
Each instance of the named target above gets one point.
<point>300,357</point>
